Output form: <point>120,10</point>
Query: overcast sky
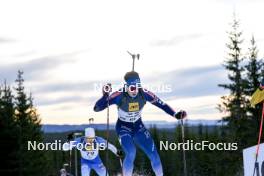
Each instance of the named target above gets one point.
<point>65,47</point>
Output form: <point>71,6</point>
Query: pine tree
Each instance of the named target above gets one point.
<point>30,162</point>
<point>8,132</point>
<point>235,102</point>
<point>254,69</point>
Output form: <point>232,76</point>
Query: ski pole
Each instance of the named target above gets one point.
<point>107,129</point>
<point>183,151</point>
<point>121,164</point>
<point>256,168</point>
<point>76,154</point>
<point>69,138</point>
<point>70,160</point>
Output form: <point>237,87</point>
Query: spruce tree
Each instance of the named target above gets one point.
<point>254,74</point>
<point>30,162</point>
<point>8,132</point>
<point>234,103</point>
<point>254,68</point>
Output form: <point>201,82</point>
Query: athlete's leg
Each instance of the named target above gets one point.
<point>143,139</point>
<point>124,132</point>
<point>99,169</point>
<point>128,146</point>
<point>85,169</point>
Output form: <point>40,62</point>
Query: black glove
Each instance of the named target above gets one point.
<point>70,136</point>
<point>181,114</point>
<point>107,89</point>
<point>120,153</point>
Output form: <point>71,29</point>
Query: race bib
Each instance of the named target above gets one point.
<point>133,107</point>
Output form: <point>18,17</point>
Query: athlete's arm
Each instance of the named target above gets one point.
<point>153,99</point>
<point>101,104</point>
<point>111,147</point>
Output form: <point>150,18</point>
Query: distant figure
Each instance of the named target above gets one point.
<point>90,158</point>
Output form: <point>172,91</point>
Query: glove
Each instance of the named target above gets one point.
<point>70,136</point>
<point>120,153</point>
<point>181,114</point>
<point>107,89</point>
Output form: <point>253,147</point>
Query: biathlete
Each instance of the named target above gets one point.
<point>89,146</point>
<point>130,101</point>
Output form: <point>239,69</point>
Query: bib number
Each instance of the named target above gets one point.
<point>133,107</point>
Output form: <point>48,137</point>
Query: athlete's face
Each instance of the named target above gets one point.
<point>132,90</point>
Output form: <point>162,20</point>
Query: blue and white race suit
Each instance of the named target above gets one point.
<point>90,158</point>
<point>131,130</point>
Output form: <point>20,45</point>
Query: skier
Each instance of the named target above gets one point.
<point>90,146</point>
<point>130,101</point>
